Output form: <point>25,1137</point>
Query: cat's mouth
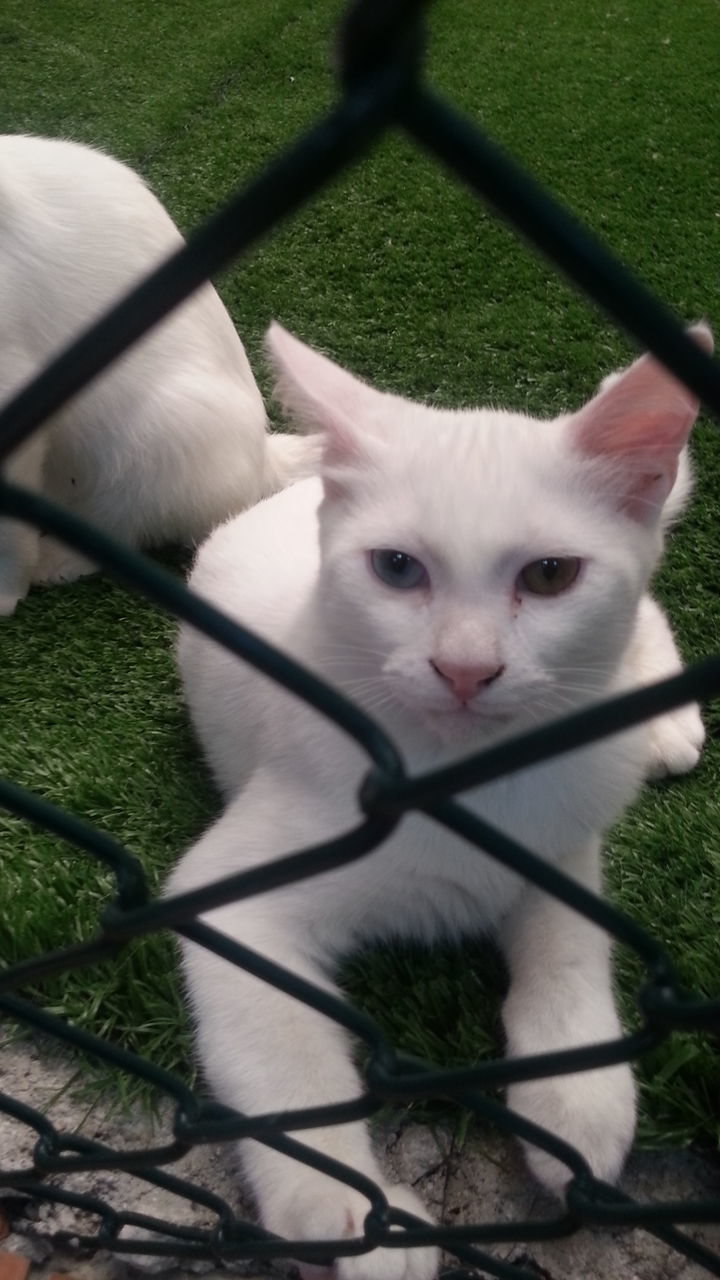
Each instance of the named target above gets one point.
<point>466,715</point>
<point>480,713</point>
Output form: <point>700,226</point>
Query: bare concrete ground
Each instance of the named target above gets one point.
<point>483,1181</point>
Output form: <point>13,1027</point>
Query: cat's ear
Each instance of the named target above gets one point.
<point>318,395</point>
<point>639,423</point>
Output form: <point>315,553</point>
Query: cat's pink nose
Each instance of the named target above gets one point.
<point>466,680</point>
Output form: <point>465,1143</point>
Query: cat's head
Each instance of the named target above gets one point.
<point>482,569</point>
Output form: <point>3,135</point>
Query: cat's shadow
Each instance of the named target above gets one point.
<point>439,1004</point>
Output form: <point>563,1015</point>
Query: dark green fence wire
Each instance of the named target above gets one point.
<point>380,61</point>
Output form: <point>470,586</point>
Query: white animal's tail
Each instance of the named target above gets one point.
<point>290,458</point>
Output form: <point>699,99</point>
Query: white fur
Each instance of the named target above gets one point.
<point>172,438</point>
<point>475,496</point>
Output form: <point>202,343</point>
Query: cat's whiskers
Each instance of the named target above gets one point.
<point>556,700</point>
<point>358,688</point>
<point>377,701</point>
<point>570,686</point>
<point>596,668</point>
<point>356,684</point>
<point>344,664</point>
<point>337,648</point>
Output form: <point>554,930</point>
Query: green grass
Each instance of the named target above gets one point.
<point>407,280</point>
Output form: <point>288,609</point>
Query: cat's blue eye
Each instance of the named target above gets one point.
<point>398,569</point>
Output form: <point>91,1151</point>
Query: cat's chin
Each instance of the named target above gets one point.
<point>467,724</point>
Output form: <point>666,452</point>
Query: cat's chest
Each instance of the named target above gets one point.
<point>426,881</point>
<point>552,810</point>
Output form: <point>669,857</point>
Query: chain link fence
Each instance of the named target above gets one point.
<point>380,60</point>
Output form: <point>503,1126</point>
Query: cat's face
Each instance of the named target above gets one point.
<point>482,570</point>
<point>472,581</point>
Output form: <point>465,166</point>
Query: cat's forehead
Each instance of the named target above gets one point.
<point>477,483</point>
<point>476,450</point>
<point>441,436</point>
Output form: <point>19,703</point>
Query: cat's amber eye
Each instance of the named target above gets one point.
<point>551,576</point>
<point>398,569</point>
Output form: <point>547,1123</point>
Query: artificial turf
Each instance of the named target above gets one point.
<point>403,277</point>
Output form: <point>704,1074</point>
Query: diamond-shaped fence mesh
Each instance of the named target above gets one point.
<point>381,88</point>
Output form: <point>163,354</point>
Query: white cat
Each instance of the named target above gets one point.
<point>461,575</point>
<point>172,439</point>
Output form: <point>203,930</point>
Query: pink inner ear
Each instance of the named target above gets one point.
<point>642,422</point>
<point>320,396</point>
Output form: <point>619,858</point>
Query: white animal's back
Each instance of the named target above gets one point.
<point>172,438</point>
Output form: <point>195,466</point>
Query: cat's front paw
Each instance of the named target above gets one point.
<point>327,1210</point>
<point>9,600</point>
<point>594,1111</point>
<point>676,740</point>
<point>57,563</point>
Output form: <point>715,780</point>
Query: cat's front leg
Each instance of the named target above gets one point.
<point>676,738</point>
<point>57,563</point>
<point>18,541</point>
<point>263,1051</point>
<point>561,997</point>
